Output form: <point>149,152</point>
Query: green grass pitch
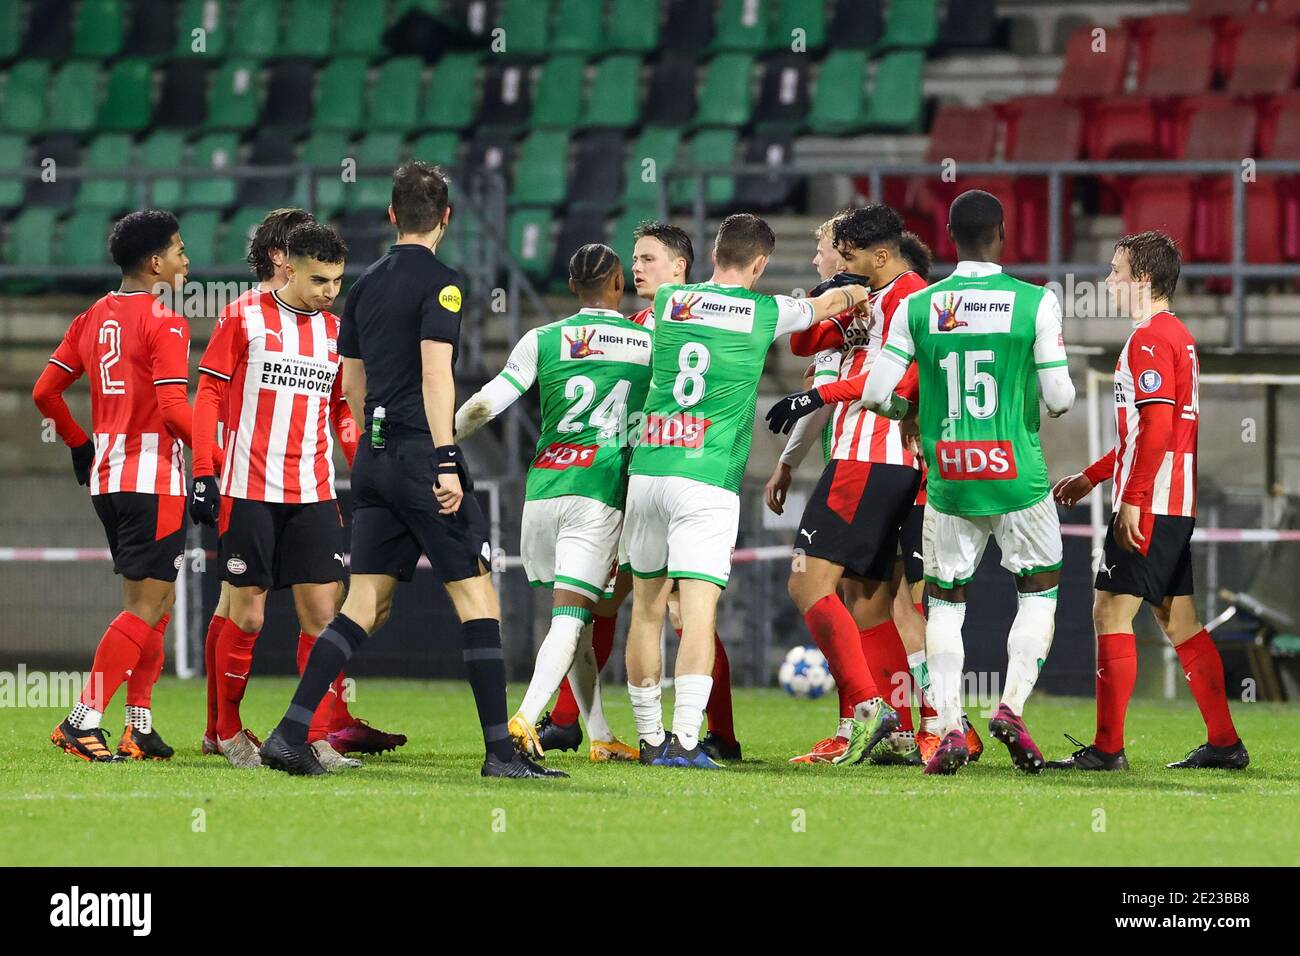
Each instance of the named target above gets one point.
<point>426,804</point>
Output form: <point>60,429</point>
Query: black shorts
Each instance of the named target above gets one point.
<point>909,545</point>
<point>395,516</point>
<point>146,533</point>
<point>1164,571</point>
<point>267,544</point>
<point>854,516</point>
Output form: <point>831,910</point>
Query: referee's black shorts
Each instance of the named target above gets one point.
<point>395,516</point>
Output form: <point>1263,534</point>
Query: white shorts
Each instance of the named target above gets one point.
<point>953,545</point>
<point>569,542</point>
<point>680,526</point>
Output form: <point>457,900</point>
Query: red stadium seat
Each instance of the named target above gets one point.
<point>1221,8</point>
<point>1178,59</point>
<point>964,134</point>
<point>1280,139</point>
<point>1123,127</point>
<point>1160,202</point>
<point>1041,130</point>
<point>1089,73</point>
<point>1285,8</point>
<point>1266,58</point>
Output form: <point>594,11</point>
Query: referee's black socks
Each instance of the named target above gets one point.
<point>328,656</point>
<point>486,667</point>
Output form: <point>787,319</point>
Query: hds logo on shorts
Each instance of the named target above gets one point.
<point>236,566</point>
<point>976,460</point>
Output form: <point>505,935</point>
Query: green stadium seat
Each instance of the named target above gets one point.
<point>357,31</point>
<point>128,103</point>
<point>726,98</point>
<point>214,151</point>
<point>97,32</point>
<point>633,26</point>
<point>614,96</point>
<point>909,26</point>
<point>22,108</point>
<point>308,30</point>
<point>199,233</point>
<point>395,94</point>
<point>742,25</point>
<point>235,96</point>
<point>325,149</point>
<point>11,28</point>
<point>163,150</point>
<point>233,246</point>
<point>557,97</point>
<point>340,94</point>
<point>452,97</point>
<point>85,239</point>
<point>31,237</point>
<point>74,92</point>
<point>710,147</point>
<point>839,98</point>
<point>579,28</point>
<point>542,169</point>
<point>531,242</point>
<point>385,150</point>
<point>106,151</point>
<point>527,27</point>
<point>13,154</point>
<point>659,144</point>
<point>806,15</point>
<point>437,147</point>
<point>896,94</point>
<point>210,16</point>
<point>257,27</point>
<point>460,245</point>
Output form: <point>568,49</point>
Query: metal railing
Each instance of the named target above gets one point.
<point>1054,267</point>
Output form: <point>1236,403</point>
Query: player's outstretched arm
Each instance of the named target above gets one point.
<point>502,391</point>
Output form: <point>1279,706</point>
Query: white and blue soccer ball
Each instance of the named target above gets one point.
<point>805,673</point>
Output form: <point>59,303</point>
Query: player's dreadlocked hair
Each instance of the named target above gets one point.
<point>866,227</point>
<point>139,235</point>
<point>1154,256</point>
<point>674,238</point>
<point>273,233</point>
<point>592,265</point>
<point>916,253</point>
<point>315,240</point>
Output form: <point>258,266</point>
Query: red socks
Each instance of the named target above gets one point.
<point>1204,670</point>
<point>1116,674</point>
<point>210,668</point>
<point>139,686</point>
<point>836,634</point>
<point>882,646</point>
<point>234,661</point>
<point>565,711</point>
<point>718,709</point>
<point>119,651</point>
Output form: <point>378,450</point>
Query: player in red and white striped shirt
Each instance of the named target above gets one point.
<point>273,361</point>
<point>136,352</point>
<point>1148,551</point>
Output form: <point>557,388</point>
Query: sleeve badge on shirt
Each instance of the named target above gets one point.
<point>1149,381</point>
<point>449,298</point>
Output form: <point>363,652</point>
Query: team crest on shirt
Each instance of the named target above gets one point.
<point>945,310</point>
<point>1149,381</point>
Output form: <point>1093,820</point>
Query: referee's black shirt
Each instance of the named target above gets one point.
<point>404,298</point>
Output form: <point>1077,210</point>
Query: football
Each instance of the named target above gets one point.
<point>805,673</point>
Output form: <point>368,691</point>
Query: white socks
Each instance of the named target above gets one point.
<point>141,718</point>
<point>691,697</point>
<point>945,654</point>
<point>554,658</point>
<point>648,712</point>
<point>84,718</point>
<point>1027,646</point>
<point>584,681</point>
<point>921,686</point>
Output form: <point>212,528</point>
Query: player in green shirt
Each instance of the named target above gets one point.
<point>986,345</point>
<point>590,369</point>
<point>683,510</point>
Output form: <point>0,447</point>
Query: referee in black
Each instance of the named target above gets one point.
<point>410,488</point>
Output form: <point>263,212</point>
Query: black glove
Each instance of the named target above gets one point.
<point>205,500</point>
<point>782,416</point>
<point>83,456</point>
<point>837,280</point>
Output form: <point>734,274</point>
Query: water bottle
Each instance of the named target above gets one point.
<point>377,427</point>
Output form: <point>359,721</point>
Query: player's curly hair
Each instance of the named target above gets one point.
<point>916,253</point>
<point>866,227</point>
<point>315,240</point>
<point>1154,256</point>
<point>138,235</point>
<point>273,233</point>
<point>592,265</point>
<point>674,238</point>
